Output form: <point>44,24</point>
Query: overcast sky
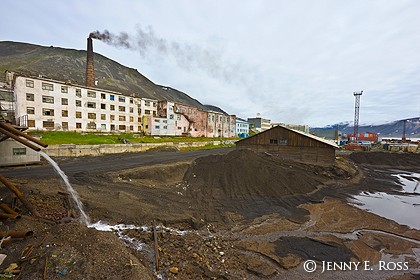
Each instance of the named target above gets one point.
<point>291,61</point>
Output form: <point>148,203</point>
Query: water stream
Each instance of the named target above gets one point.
<point>84,218</point>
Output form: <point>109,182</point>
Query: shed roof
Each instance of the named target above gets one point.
<point>325,141</point>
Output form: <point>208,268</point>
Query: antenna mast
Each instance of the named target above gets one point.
<point>356,113</point>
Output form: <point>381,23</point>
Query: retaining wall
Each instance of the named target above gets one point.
<point>70,150</point>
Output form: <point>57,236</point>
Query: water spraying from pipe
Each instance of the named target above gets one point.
<point>84,218</point>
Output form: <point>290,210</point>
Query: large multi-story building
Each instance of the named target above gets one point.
<point>259,124</point>
<point>54,105</point>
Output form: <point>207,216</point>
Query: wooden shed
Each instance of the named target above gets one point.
<point>291,144</point>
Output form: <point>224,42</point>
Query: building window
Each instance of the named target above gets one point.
<point>189,111</point>
<point>147,112</point>
<point>112,107</point>
<point>103,106</point>
<point>78,103</point>
<point>78,115</point>
<point>30,97</point>
<point>131,110</point>
<point>65,125</point>
<point>139,110</point>
<point>146,103</point>
<point>121,118</point>
<point>111,97</point>
<point>131,100</point>
<point>157,120</point>
<point>91,105</point>
<point>29,83</point>
<point>30,110</point>
<point>92,116</point>
<point>78,92</point>
<point>64,113</point>
<point>165,121</point>
<point>103,117</point>
<point>78,125</point>
<point>91,94</point>
<point>157,127</point>
<point>19,151</point>
<point>139,120</point>
<point>103,126</point>
<point>112,117</point>
<point>178,117</point>
<point>121,127</point>
<point>131,119</point>
<point>154,104</point>
<point>121,98</point>
<point>47,86</point>
<point>165,127</point>
<point>121,108</point>
<point>31,123</point>
<point>47,99</point>
<point>64,89</point>
<point>103,96</point>
<point>48,124</point>
<point>179,128</point>
<point>64,101</point>
<point>47,112</point>
<point>171,117</point>
<point>91,125</point>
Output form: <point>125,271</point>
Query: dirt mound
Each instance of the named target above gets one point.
<point>253,183</point>
<point>386,158</point>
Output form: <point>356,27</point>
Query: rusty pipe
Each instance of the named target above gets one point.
<point>10,216</point>
<point>7,209</point>
<point>16,234</point>
<point>19,195</point>
<point>18,132</point>
<point>24,142</point>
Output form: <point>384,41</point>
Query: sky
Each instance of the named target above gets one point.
<point>295,61</point>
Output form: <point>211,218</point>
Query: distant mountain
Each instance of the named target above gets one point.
<point>70,65</point>
<point>392,129</point>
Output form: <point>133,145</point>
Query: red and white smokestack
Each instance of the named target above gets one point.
<point>90,69</point>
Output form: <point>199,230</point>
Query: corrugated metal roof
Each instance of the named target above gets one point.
<point>328,142</point>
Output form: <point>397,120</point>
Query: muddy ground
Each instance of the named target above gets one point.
<point>228,215</point>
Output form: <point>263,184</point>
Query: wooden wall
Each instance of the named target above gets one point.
<point>290,145</point>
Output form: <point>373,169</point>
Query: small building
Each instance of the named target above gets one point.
<point>291,144</point>
<point>259,124</point>
<point>242,128</point>
<point>15,153</point>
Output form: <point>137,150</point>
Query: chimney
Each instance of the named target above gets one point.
<point>90,69</point>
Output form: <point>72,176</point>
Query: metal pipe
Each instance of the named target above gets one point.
<point>24,142</point>
<point>7,209</point>
<point>10,216</point>
<point>16,234</point>
<point>20,133</point>
<point>19,195</point>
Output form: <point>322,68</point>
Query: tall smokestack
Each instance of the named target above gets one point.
<point>90,69</point>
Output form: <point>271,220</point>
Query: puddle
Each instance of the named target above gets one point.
<point>403,209</point>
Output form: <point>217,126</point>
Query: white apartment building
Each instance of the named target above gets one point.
<point>58,106</point>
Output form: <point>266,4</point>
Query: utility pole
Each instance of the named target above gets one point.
<point>404,139</point>
<point>356,113</point>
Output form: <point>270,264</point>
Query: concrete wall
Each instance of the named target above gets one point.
<point>92,150</point>
<point>11,153</point>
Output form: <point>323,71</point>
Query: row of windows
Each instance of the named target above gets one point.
<point>90,93</point>
<point>65,126</point>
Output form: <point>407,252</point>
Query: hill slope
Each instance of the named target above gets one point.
<point>69,64</point>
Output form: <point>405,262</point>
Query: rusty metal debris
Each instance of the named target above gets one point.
<point>155,239</point>
<point>19,195</point>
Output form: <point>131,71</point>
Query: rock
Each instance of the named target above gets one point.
<point>174,270</point>
<point>2,257</point>
<point>11,267</point>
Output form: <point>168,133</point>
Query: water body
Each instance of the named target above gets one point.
<point>84,218</point>
<point>403,209</point>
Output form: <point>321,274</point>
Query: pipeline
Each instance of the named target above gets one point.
<point>10,128</point>
<point>19,195</point>
<point>17,138</point>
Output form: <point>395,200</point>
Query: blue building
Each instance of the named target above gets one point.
<point>242,128</point>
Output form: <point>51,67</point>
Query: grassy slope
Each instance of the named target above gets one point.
<point>57,138</point>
